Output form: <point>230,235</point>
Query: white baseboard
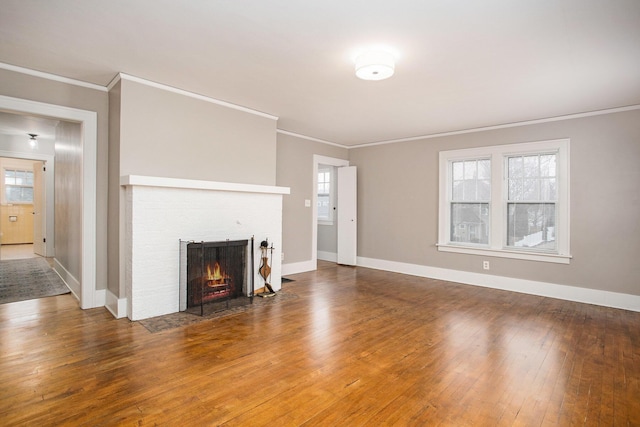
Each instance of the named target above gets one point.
<point>552,290</point>
<point>100,297</point>
<point>298,267</point>
<point>116,306</point>
<point>72,283</point>
<point>328,256</point>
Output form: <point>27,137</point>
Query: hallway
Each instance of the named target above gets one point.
<point>9,252</point>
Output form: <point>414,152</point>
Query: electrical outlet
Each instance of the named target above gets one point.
<point>485,265</point>
<point>281,256</point>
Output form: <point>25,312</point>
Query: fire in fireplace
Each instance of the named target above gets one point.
<point>215,271</point>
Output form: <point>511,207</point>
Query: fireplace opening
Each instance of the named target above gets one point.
<point>215,272</point>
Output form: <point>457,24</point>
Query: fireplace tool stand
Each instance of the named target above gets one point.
<point>266,254</point>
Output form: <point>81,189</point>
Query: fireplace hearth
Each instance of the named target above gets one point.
<point>215,272</point>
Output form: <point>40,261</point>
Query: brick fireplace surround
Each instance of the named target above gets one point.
<point>159,212</point>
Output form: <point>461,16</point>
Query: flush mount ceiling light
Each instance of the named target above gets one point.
<point>375,65</point>
<point>33,142</point>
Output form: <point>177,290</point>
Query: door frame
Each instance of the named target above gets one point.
<point>319,160</point>
<point>89,131</point>
<point>49,162</point>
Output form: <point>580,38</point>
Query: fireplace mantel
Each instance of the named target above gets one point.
<point>155,181</point>
<point>158,213</point>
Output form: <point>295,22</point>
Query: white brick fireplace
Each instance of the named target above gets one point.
<point>159,212</point>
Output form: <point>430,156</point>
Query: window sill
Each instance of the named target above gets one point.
<point>324,222</point>
<point>528,256</point>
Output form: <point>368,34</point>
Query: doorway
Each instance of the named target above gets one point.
<point>23,213</point>
<point>85,286</point>
<point>328,234</point>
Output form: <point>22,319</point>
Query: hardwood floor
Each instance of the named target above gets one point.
<point>357,347</point>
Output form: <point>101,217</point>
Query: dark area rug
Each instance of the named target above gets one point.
<point>25,279</point>
<point>213,311</point>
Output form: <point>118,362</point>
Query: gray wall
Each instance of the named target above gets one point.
<point>156,132</point>
<point>115,285</point>
<point>398,202</point>
<point>295,170</point>
<point>68,198</point>
<point>24,86</point>
<point>328,238</point>
<point>167,134</point>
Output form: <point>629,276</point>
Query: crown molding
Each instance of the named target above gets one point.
<point>113,82</point>
<point>503,126</point>
<point>310,138</point>
<point>123,76</point>
<point>53,77</point>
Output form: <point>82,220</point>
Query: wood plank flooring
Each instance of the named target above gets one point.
<point>358,347</point>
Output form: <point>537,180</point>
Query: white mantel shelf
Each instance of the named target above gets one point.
<point>154,181</point>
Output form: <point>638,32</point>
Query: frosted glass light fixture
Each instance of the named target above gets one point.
<point>375,65</point>
<point>33,141</point>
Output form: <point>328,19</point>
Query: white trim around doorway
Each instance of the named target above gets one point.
<point>89,297</point>
<point>319,160</point>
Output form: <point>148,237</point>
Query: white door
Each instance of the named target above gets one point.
<point>347,215</point>
<point>38,209</point>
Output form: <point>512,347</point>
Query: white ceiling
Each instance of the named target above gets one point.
<point>21,125</point>
<point>462,63</point>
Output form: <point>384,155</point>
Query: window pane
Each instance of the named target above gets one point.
<point>16,194</point>
<point>531,166</point>
<point>469,191</point>
<point>548,165</point>
<point>532,178</point>
<point>531,191</point>
<point>470,223</point>
<point>9,177</point>
<point>515,167</point>
<point>471,180</point>
<point>458,187</point>
<point>13,193</point>
<point>470,169</point>
<point>323,207</point>
<point>484,189</point>
<point>531,225</point>
<point>458,171</point>
<point>515,189</point>
<point>20,177</point>
<point>27,194</point>
<point>484,169</point>
<point>548,190</point>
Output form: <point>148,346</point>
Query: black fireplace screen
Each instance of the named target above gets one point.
<point>215,271</point>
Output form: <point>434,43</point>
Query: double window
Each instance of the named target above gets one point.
<point>507,200</point>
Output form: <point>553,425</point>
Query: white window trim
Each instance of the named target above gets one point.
<point>497,240</point>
